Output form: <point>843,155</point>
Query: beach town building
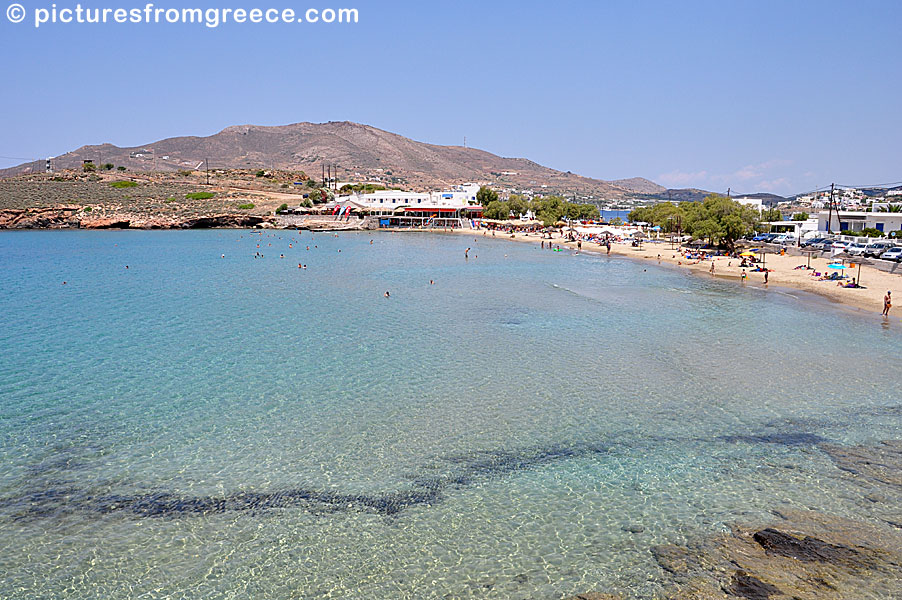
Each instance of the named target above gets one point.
<point>394,208</point>
<point>847,220</point>
<point>756,203</point>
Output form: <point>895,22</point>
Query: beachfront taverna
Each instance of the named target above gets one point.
<point>402,209</point>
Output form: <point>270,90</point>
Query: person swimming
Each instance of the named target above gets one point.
<point>387,295</point>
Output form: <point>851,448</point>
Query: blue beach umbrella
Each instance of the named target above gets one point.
<point>837,266</point>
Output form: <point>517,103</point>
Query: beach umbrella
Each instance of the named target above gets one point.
<point>859,260</point>
<point>747,253</point>
<point>809,253</point>
<point>837,266</point>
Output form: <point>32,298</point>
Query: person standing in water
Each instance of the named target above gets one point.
<point>467,253</point>
<point>887,303</point>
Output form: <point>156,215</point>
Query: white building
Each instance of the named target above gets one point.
<point>846,220</point>
<point>756,203</point>
<point>388,200</point>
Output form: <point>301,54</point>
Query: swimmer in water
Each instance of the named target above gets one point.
<point>387,295</point>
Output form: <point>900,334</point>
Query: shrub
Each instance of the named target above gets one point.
<point>120,168</point>
<point>89,167</point>
<point>200,195</point>
<point>260,173</point>
<point>282,208</point>
<point>123,184</point>
<point>184,173</point>
<point>307,203</point>
<point>107,166</point>
<point>87,209</point>
<point>168,200</point>
<point>246,206</point>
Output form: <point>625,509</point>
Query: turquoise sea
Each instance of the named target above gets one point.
<point>199,426</point>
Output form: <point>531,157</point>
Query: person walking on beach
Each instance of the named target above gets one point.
<point>887,303</point>
<point>711,270</point>
<point>744,275</point>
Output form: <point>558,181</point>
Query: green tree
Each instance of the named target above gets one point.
<point>772,214</point>
<point>307,203</point>
<point>891,208</point>
<point>89,167</point>
<point>496,210</point>
<point>517,204</point>
<point>800,216</point>
<point>486,196</point>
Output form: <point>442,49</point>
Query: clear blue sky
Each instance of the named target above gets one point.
<point>753,95</point>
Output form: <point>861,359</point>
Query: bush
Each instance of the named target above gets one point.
<point>107,166</point>
<point>307,203</point>
<point>200,195</point>
<point>248,206</point>
<point>89,167</point>
<point>260,173</point>
<point>282,208</point>
<point>184,173</point>
<point>168,200</point>
<point>123,184</point>
<point>87,209</point>
<point>120,168</point>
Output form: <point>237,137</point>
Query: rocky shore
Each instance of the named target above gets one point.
<point>74,217</point>
<point>801,554</point>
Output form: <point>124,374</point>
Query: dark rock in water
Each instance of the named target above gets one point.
<point>808,549</point>
<point>633,528</point>
<point>593,596</point>
<point>744,585</point>
<point>803,556</point>
<point>783,439</point>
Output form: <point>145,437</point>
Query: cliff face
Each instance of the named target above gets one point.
<point>72,217</point>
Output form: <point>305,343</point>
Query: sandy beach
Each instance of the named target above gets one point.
<point>782,271</point>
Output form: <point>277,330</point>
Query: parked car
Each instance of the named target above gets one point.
<point>812,241</point>
<point>856,249</point>
<point>875,249</point>
<point>788,239</point>
<point>894,253</point>
<point>760,237</point>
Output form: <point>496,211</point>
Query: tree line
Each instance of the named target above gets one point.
<point>549,210</point>
<point>717,218</point>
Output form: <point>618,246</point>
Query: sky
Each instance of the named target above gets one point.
<point>754,96</point>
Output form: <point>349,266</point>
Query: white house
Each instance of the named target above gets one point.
<point>847,220</point>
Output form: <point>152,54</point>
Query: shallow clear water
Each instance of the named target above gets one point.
<point>198,426</point>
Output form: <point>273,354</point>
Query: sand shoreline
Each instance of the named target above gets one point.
<point>783,274</point>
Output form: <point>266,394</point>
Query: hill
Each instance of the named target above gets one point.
<point>357,152</point>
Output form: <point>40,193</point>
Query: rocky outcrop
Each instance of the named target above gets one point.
<point>802,555</point>
<point>105,224</point>
<point>60,217</point>
<point>75,217</point>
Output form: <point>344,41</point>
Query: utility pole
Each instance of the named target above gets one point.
<point>324,174</point>
<point>728,192</point>
<point>830,210</point>
<point>207,164</point>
